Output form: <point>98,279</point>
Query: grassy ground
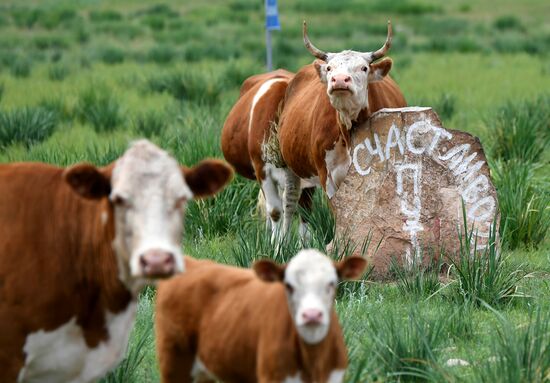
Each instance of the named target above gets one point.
<point>79,80</point>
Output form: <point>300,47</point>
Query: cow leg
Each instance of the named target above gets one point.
<point>291,195</point>
<point>174,353</point>
<point>273,205</point>
<point>306,203</point>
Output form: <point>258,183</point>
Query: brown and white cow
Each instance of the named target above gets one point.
<point>218,322</point>
<point>245,130</point>
<point>323,102</point>
<point>76,247</point>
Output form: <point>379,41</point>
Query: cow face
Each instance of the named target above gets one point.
<point>348,73</point>
<point>148,192</point>
<point>310,279</point>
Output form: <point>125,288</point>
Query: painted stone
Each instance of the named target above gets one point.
<point>405,186</point>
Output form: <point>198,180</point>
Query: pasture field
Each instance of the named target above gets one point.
<point>80,79</point>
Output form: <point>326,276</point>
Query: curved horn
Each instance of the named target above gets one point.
<point>311,48</point>
<point>385,48</point>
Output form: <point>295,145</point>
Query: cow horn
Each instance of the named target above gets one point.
<point>311,48</point>
<point>385,48</point>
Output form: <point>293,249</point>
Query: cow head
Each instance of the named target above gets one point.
<point>310,279</point>
<point>147,193</point>
<point>347,75</point>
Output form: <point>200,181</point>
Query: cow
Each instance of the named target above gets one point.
<point>77,245</point>
<point>322,104</point>
<point>272,324</point>
<point>246,129</point>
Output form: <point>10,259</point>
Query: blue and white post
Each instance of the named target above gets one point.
<point>271,23</point>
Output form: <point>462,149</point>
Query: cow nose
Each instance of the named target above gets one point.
<point>312,316</point>
<point>157,263</point>
<point>341,81</point>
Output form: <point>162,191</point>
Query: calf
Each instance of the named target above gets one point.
<point>223,323</point>
<point>76,247</point>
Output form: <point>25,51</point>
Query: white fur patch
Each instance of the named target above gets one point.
<point>62,355</point>
<point>200,373</point>
<point>264,88</point>
<point>338,161</point>
<point>293,379</point>
<point>336,376</point>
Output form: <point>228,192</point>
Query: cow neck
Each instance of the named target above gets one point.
<point>318,360</point>
<point>347,127</point>
<point>96,261</point>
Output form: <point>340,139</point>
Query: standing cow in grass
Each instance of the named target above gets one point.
<point>248,126</point>
<point>320,106</point>
<point>222,323</point>
<point>76,247</point>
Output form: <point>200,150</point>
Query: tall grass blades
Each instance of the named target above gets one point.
<point>417,280</point>
<point>521,130</point>
<point>139,349</point>
<point>98,107</point>
<point>524,206</point>
<point>483,275</point>
<point>226,212</point>
<point>58,72</point>
<point>26,126</point>
<point>150,124</point>
<point>188,86</point>
<point>2,88</point>
<point>407,349</point>
<point>522,354</point>
<point>320,220</point>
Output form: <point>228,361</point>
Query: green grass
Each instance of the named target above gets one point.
<point>78,83</point>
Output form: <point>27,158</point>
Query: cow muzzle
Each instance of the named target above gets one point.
<point>340,83</point>
<point>157,263</point>
<point>312,317</point>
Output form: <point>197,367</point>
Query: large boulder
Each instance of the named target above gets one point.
<point>405,187</point>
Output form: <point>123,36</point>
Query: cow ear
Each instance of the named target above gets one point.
<point>379,70</point>
<point>269,271</point>
<point>321,68</point>
<point>207,177</point>
<point>351,267</point>
<point>88,181</point>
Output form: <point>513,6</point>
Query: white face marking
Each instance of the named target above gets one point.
<point>62,355</point>
<point>151,193</point>
<point>354,66</point>
<point>264,88</point>
<point>311,281</point>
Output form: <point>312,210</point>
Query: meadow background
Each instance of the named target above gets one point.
<point>80,79</point>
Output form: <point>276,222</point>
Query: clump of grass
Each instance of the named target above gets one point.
<point>522,353</point>
<point>445,106</point>
<point>254,242</point>
<point>188,86</point>
<point>162,54</point>
<point>100,108</point>
<point>508,22</point>
<point>225,213</point>
<point>106,15</point>
<point>521,130</point>
<point>58,106</point>
<point>21,67</point>
<point>525,208</point>
<point>407,350</point>
<point>406,7</point>
<point>26,126</point>
<point>58,72</point>
<point>111,54</point>
<point>320,220</point>
<point>150,123</point>
<point>417,280</point>
<point>2,88</point>
<point>483,275</point>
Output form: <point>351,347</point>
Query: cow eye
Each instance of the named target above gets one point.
<point>365,68</point>
<point>328,68</point>
<point>331,286</point>
<point>289,288</point>
<point>119,201</point>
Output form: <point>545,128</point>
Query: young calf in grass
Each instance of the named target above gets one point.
<point>273,324</point>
